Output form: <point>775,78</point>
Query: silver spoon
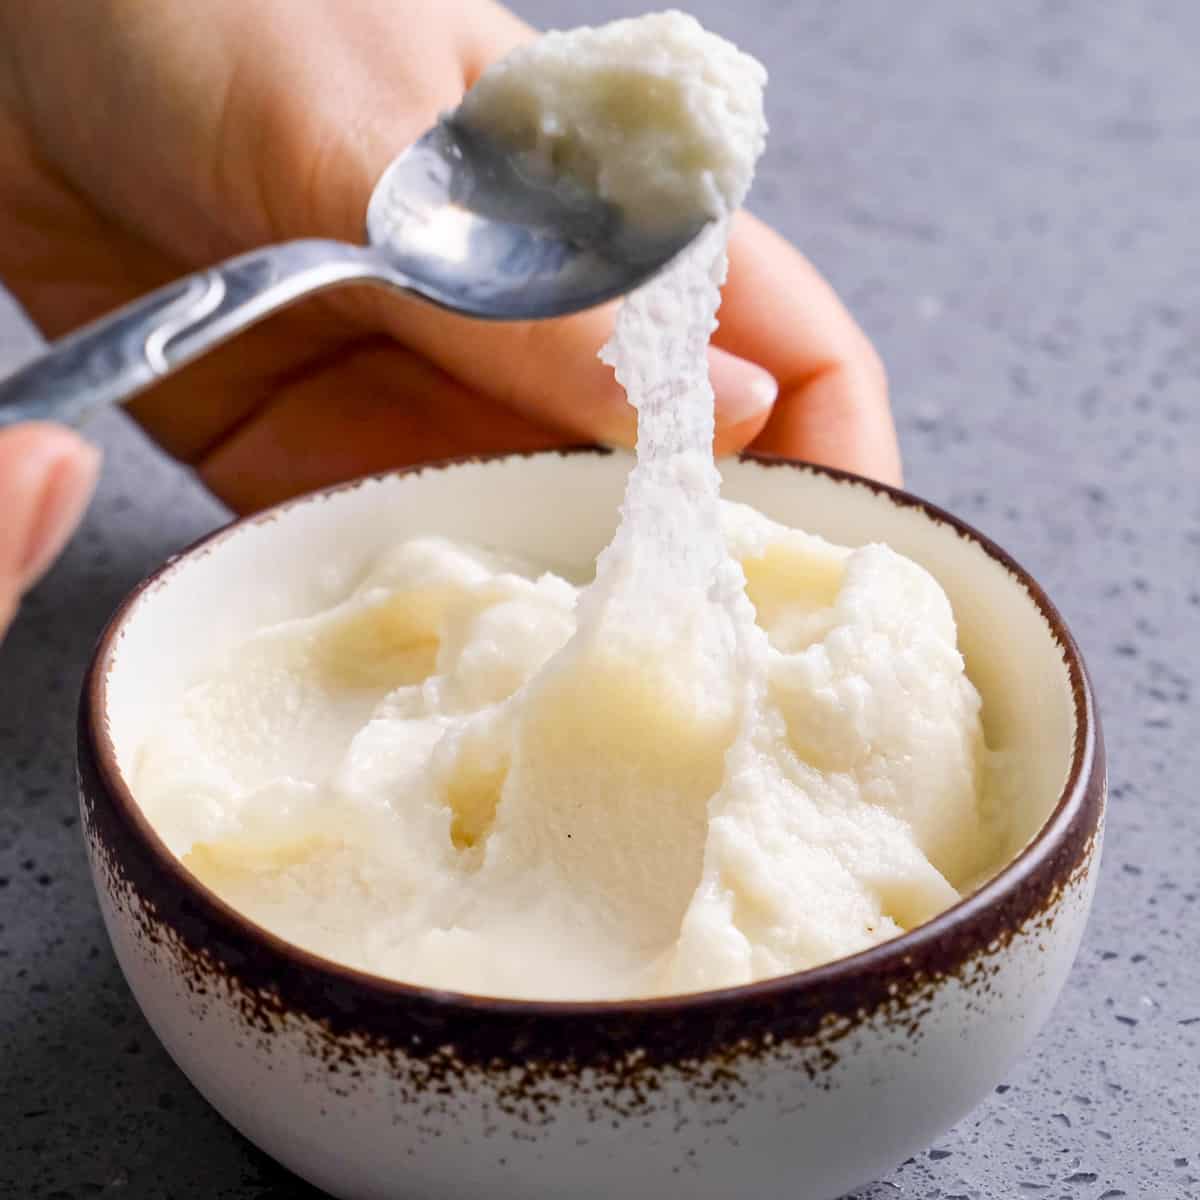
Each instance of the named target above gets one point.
<point>452,220</point>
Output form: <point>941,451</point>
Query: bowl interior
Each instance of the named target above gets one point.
<point>562,509</point>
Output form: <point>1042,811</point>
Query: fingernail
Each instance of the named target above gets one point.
<point>59,479</point>
<point>744,390</point>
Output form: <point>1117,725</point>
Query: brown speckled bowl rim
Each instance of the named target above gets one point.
<point>977,921</point>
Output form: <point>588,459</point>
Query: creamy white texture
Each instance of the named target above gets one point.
<point>656,115</point>
<point>739,751</point>
<point>420,783</point>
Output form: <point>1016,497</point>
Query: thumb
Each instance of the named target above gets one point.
<point>47,475</point>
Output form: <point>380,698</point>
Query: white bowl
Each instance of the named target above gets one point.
<point>803,1086</point>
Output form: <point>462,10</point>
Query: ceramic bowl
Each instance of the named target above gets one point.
<point>802,1086</point>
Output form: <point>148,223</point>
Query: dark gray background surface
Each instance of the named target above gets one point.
<point>1007,196</point>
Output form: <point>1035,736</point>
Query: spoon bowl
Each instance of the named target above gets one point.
<point>489,237</point>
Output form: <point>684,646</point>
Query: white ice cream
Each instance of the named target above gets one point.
<point>656,115</point>
<point>420,783</point>
<point>739,751</point>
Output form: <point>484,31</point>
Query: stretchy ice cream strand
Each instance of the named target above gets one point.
<point>667,562</point>
<point>622,735</point>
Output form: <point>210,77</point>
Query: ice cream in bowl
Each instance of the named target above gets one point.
<point>809,1082</point>
<point>579,824</point>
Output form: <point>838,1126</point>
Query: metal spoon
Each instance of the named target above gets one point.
<point>453,220</point>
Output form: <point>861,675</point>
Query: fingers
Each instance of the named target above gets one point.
<point>549,372</point>
<point>489,33</point>
<point>192,411</point>
<point>745,395</point>
<point>315,165</point>
<point>777,311</point>
<point>780,321</point>
<point>372,407</point>
<point>47,475</point>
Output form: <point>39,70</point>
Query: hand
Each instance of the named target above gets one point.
<point>139,141</point>
<point>46,478</point>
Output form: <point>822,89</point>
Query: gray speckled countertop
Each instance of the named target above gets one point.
<point>1007,195</point>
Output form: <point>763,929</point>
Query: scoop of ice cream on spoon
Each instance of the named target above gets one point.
<point>535,199</point>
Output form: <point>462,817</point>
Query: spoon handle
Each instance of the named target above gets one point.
<point>121,354</point>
